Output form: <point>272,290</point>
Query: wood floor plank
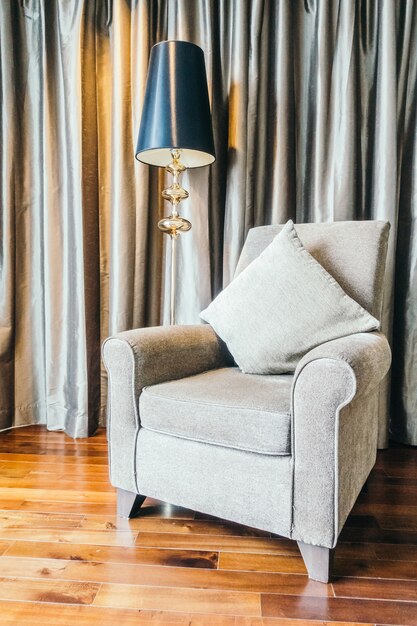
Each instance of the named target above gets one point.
<point>402,570</point>
<point>59,506</point>
<point>30,520</point>
<point>149,523</point>
<point>14,472</point>
<point>348,556</point>
<point>113,554</point>
<point>42,614</point>
<point>103,537</point>
<point>188,578</point>
<point>150,507</point>
<point>373,611</point>
<point>398,453</point>
<point>38,482</point>
<point>398,522</point>
<point>399,470</point>
<point>371,508</point>
<point>390,552</point>
<point>381,493</point>
<point>38,590</point>
<point>74,467</point>
<point>157,576</point>
<point>280,621</point>
<point>12,456</point>
<point>186,600</point>
<point>261,563</point>
<point>44,478</point>
<point>56,495</point>
<point>27,448</point>
<point>376,588</point>
<point>378,535</point>
<point>381,478</point>
<point>10,505</point>
<point>225,543</point>
<point>77,466</point>
<point>46,470</point>
<point>4,546</point>
<point>178,526</point>
<point>52,438</point>
<point>355,551</point>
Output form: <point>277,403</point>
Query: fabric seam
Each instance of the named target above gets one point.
<point>216,443</point>
<point>213,404</point>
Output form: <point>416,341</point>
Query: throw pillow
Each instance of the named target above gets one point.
<point>281,306</point>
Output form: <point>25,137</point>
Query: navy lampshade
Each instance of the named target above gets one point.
<point>176,109</point>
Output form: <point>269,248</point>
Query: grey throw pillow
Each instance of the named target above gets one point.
<point>281,306</point>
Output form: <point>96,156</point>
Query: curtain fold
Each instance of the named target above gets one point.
<point>314,113</point>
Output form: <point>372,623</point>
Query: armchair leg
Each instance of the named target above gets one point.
<point>128,503</point>
<point>318,561</point>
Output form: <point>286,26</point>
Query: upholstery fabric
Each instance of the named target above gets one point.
<point>352,252</point>
<point>334,431</point>
<point>248,488</point>
<point>148,356</point>
<point>223,407</point>
<point>283,304</point>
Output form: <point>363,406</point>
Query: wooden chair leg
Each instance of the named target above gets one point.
<point>128,503</point>
<point>318,561</point>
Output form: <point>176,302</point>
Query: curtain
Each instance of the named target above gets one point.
<point>50,217</point>
<point>314,114</point>
<point>69,225</point>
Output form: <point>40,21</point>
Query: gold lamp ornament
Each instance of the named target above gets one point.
<point>175,129</point>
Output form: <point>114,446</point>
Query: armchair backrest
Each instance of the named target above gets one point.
<point>353,253</point>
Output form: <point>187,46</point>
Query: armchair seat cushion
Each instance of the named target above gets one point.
<point>223,407</point>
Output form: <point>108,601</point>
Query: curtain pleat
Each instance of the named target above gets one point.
<point>404,344</point>
<point>314,115</point>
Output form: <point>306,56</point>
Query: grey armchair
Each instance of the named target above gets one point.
<point>287,454</point>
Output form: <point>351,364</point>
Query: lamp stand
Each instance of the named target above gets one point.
<point>174,224</point>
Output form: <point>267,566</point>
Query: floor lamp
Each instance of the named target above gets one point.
<point>175,129</point>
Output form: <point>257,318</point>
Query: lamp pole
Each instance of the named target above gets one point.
<point>174,224</point>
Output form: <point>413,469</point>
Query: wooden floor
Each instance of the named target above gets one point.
<point>67,560</point>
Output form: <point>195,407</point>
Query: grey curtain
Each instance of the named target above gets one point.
<point>314,111</point>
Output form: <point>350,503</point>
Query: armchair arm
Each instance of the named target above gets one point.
<point>334,431</point>
<point>367,354</point>
<point>147,356</point>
